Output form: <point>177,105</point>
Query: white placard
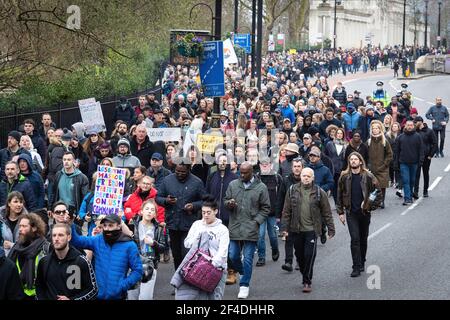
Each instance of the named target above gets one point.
<point>164,134</point>
<point>228,53</point>
<point>92,115</point>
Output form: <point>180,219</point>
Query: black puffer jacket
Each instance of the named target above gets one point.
<point>429,140</point>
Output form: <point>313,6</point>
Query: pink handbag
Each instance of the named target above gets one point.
<point>199,271</point>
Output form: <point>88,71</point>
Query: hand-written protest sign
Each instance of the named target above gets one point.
<point>207,143</point>
<point>109,188</point>
<point>164,134</point>
<point>92,115</point>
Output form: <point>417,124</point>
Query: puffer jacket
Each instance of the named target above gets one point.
<point>191,191</point>
<point>112,264</point>
<point>126,161</point>
<point>124,112</point>
<point>24,187</point>
<point>135,202</point>
<point>368,184</point>
<point>319,208</point>
<point>252,209</point>
<point>322,176</point>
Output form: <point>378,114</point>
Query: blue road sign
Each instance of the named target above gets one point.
<point>212,69</point>
<point>244,41</point>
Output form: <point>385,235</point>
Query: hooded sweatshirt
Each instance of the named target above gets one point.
<point>219,240</point>
<point>66,187</point>
<point>36,181</point>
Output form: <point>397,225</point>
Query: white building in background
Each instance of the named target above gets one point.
<point>362,21</point>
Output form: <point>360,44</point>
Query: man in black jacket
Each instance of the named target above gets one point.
<point>10,285</point>
<point>273,182</point>
<point>13,149</point>
<point>293,178</point>
<point>29,127</point>
<point>340,94</point>
<point>430,144</point>
<point>141,146</point>
<point>65,274</point>
<point>181,195</point>
<point>125,112</point>
<point>410,150</point>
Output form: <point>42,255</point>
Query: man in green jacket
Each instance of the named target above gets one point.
<point>249,204</point>
<point>305,207</point>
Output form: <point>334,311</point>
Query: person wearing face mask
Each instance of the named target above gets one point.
<point>118,266</point>
<point>438,114</point>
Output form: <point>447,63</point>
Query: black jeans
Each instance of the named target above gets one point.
<point>440,132</point>
<point>177,246</point>
<point>426,176</point>
<point>358,226</point>
<point>305,245</point>
<point>289,249</point>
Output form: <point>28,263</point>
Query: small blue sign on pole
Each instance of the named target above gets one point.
<point>212,73</point>
<point>244,40</point>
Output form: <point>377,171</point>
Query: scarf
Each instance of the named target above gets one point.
<point>28,253</point>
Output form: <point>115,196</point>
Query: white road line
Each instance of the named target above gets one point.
<point>348,81</point>
<point>379,231</point>
<point>448,168</point>
<point>435,183</point>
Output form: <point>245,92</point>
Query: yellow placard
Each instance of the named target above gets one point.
<point>207,143</point>
<point>293,51</point>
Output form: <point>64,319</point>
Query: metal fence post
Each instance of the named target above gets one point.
<point>16,116</point>
<point>59,114</point>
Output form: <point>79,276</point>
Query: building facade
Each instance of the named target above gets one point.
<point>363,22</point>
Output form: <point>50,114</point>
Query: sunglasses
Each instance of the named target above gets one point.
<point>60,212</point>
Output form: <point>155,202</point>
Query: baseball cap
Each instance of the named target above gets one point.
<point>418,119</point>
<point>224,113</point>
<point>157,156</point>
<point>315,152</point>
<point>114,218</point>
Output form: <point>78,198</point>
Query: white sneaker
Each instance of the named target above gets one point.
<point>243,292</point>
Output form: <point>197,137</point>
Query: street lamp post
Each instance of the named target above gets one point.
<point>404,23</point>
<point>236,16</point>
<point>426,23</point>
<point>336,3</point>
<point>439,24</point>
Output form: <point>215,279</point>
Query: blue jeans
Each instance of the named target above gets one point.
<point>245,270</point>
<point>408,173</point>
<point>270,224</point>
<point>365,68</point>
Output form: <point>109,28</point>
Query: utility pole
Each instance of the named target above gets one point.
<point>439,24</point>
<point>217,36</point>
<point>404,23</point>
<point>259,44</point>
<point>253,66</point>
<point>236,16</point>
<point>426,23</point>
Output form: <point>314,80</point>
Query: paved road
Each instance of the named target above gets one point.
<point>411,247</point>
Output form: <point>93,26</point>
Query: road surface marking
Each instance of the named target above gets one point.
<point>379,231</point>
<point>415,204</point>
<point>448,168</point>
<point>435,183</point>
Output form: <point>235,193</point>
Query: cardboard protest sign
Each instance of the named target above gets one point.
<point>164,134</point>
<point>109,189</point>
<point>92,115</point>
<point>207,143</point>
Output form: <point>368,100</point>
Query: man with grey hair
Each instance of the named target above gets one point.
<point>305,207</point>
<point>248,201</point>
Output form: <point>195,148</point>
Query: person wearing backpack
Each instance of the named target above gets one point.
<point>306,206</point>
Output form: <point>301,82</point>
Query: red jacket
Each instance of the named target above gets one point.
<point>135,202</point>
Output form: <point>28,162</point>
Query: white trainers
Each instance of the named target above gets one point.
<point>243,292</point>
